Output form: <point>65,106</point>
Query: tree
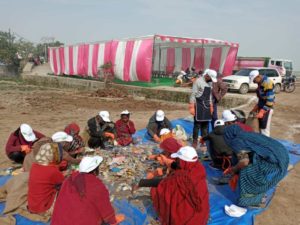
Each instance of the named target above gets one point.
<point>7,48</point>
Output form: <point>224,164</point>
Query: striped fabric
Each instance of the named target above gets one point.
<point>266,94</point>
<point>269,163</point>
<point>135,59</point>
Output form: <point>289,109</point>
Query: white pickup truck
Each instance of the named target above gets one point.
<point>240,80</point>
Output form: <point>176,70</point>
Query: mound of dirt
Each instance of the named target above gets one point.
<point>111,92</point>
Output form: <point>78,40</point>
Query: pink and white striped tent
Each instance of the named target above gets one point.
<point>136,59</point>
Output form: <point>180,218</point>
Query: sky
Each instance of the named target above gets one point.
<point>261,27</point>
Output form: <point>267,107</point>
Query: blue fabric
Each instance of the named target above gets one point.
<point>220,195</point>
<point>269,157</point>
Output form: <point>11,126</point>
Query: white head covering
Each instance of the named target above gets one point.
<point>212,74</point>
<point>125,112</point>
<point>61,136</point>
<point>160,115</point>
<point>164,131</point>
<point>219,123</point>
<point>88,163</point>
<point>27,132</point>
<point>253,74</point>
<point>228,116</point>
<point>186,153</point>
<point>104,115</point>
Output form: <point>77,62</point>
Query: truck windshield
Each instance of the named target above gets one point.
<point>288,65</point>
<point>243,72</point>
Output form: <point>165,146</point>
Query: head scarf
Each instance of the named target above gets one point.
<point>170,145</point>
<point>49,153</point>
<point>72,129</point>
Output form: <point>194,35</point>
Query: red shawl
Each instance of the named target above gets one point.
<point>83,200</point>
<point>182,197</point>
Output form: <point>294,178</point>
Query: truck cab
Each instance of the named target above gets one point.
<point>284,66</point>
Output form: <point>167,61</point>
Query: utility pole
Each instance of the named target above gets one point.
<point>46,41</point>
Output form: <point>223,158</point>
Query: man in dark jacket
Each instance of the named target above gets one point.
<point>157,122</point>
<point>101,130</point>
<point>219,89</point>
<point>219,151</point>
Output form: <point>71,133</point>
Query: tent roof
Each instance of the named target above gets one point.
<point>159,38</point>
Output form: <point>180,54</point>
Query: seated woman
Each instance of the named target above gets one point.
<point>101,130</point>
<point>83,198</point>
<point>169,146</point>
<point>45,179</point>
<point>20,142</point>
<point>156,123</point>
<point>182,197</point>
<point>262,163</point>
<point>125,129</point>
<point>61,138</point>
<point>76,145</point>
<point>219,151</point>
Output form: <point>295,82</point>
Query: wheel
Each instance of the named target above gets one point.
<point>277,88</point>
<point>290,87</point>
<point>244,88</point>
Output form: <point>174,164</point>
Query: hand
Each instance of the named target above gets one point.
<point>150,175</point>
<point>261,114</point>
<point>156,138</point>
<point>134,187</point>
<point>228,171</point>
<point>202,141</point>
<point>255,109</point>
<point>25,148</point>
<point>211,109</point>
<point>109,135</point>
<point>166,161</point>
<point>192,108</point>
<point>119,218</point>
<point>159,172</point>
<point>152,157</point>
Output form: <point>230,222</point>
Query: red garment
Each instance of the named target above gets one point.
<point>83,199</point>
<point>182,197</point>
<point>245,127</point>
<point>170,145</point>
<point>16,139</point>
<point>124,132</point>
<point>42,187</point>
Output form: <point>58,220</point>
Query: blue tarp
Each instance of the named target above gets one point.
<point>220,195</point>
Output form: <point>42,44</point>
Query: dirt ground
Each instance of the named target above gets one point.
<point>49,110</point>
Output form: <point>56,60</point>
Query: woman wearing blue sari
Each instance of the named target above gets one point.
<point>262,163</point>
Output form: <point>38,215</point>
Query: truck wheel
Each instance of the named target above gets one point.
<point>244,88</point>
<point>277,88</point>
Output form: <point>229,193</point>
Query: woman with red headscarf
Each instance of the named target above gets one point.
<point>169,146</point>
<point>77,144</point>
<point>182,197</point>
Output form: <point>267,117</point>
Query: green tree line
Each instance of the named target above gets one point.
<point>13,49</point>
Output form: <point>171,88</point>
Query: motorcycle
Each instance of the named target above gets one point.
<point>289,84</point>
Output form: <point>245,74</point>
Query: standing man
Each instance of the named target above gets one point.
<point>201,104</point>
<point>219,89</point>
<point>266,96</point>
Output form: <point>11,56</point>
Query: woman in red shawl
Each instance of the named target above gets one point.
<point>182,197</point>
<point>125,129</point>
<point>83,198</point>
<point>76,145</point>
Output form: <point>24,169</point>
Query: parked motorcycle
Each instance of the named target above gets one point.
<point>289,84</point>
